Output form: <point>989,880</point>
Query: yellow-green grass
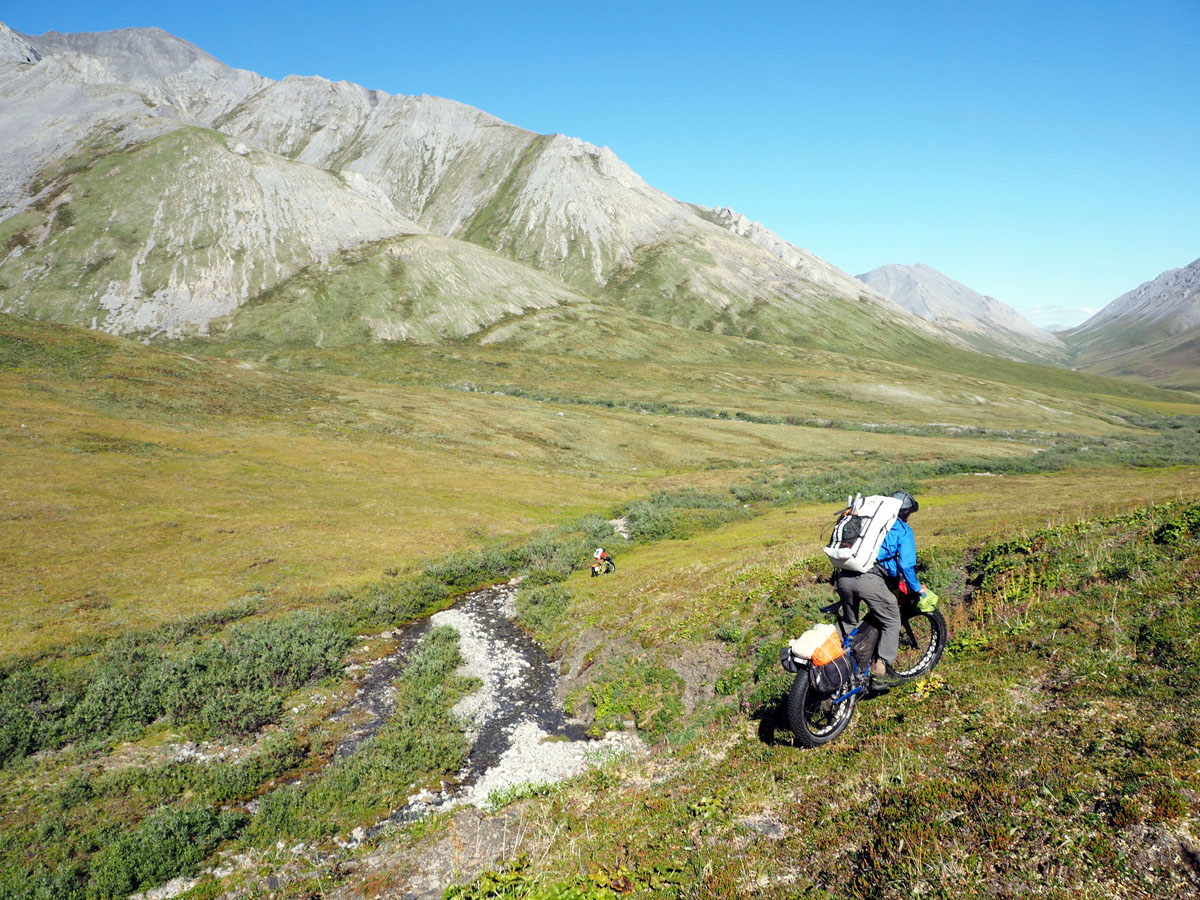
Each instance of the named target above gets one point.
<point>682,590</point>
<point>99,540</point>
<point>613,443</point>
<point>596,354</point>
<point>1053,749</point>
<point>140,485</point>
<point>117,512</point>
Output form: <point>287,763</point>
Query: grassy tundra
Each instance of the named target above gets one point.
<point>193,541</point>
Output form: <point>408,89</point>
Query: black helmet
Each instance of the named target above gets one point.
<point>908,503</point>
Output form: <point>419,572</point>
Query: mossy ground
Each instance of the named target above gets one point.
<point>140,484</point>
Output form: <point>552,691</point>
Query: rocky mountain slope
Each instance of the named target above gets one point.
<point>1152,332</point>
<point>146,188</point>
<point>984,322</point>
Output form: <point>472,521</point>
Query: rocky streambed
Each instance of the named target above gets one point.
<point>515,723</point>
<point>518,732</point>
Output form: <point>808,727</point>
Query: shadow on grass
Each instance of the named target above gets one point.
<point>773,728</point>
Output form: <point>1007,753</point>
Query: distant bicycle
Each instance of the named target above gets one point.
<point>603,567</point>
<point>822,699</point>
<point>602,563</point>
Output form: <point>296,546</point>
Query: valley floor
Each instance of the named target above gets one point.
<point>202,557</point>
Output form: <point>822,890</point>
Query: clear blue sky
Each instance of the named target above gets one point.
<point>1046,153</point>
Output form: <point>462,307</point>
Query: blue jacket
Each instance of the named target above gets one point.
<point>898,555</point>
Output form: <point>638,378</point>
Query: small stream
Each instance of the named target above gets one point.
<point>510,719</point>
<point>375,695</point>
<point>520,684</point>
<point>517,729</point>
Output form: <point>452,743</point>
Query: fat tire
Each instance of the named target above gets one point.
<point>935,644</point>
<point>802,703</point>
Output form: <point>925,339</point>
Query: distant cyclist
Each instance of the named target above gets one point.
<point>602,563</point>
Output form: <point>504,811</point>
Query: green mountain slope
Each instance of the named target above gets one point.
<point>165,236</point>
<point>112,222</point>
<point>1152,355</point>
<point>416,288</point>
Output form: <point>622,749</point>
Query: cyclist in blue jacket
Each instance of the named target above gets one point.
<point>898,553</point>
<point>898,559</point>
<point>896,564</point>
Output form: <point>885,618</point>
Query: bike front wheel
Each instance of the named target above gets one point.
<point>922,642</point>
<point>813,717</point>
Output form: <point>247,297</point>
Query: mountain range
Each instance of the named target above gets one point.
<point>148,189</point>
<point>1151,332</point>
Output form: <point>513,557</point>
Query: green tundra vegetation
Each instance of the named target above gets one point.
<point>1052,752</point>
<point>196,539</point>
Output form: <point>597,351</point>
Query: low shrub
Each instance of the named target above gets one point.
<point>235,684</point>
<point>644,691</point>
<point>169,843</point>
<point>32,706</point>
<point>654,522</point>
<point>1176,529</point>
<point>124,691</point>
<point>206,622</point>
<point>231,684</point>
<point>387,603</point>
<point>677,514</point>
<point>471,568</point>
<point>540,607</point>
<point>422,741</point>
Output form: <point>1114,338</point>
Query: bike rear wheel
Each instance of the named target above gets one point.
<point>813,717</point>
<point>922,642</point>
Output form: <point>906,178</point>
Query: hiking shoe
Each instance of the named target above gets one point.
<point>883,675</point>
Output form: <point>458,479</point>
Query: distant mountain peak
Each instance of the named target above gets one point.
<point>984,322</point>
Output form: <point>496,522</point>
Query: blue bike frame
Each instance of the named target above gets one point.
<point>859,682</point>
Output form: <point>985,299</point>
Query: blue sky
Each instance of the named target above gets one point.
<point>1047,154</point>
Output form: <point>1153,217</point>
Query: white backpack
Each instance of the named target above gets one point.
<point>860,530</point>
